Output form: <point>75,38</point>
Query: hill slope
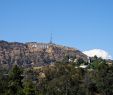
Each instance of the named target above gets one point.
<point>33,53</point>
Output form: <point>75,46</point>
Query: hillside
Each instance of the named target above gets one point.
<point>59,78</point>
<point>36,54</point>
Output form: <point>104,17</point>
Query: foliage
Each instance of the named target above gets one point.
<point>15,81</point>
<point>29,88</point>
<point>59,79</point>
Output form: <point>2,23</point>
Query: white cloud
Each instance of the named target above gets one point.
<point>99,53</point>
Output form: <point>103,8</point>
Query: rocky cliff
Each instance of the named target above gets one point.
<point>36,54</point>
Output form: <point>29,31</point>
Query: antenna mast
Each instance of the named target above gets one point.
<point>51,38</point>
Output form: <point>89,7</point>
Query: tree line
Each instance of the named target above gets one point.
<point>61,78</point>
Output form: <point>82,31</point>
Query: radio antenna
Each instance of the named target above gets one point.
<point>51,38</point>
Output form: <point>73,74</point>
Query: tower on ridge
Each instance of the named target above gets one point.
<point>51,38</point>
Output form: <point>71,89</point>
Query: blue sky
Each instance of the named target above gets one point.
<point>84,24</point>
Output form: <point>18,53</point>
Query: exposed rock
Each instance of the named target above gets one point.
<point>35,54</point>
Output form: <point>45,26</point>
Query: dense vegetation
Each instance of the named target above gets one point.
<point>62,78</point>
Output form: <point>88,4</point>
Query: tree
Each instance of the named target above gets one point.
<point>29,88</point>
<point>3,84</point>
<point>80,61</point>
<point>105,80</point>
<point>15,81</point>
<point>65,59</point>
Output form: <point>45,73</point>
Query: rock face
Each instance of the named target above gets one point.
<point>36,54</point>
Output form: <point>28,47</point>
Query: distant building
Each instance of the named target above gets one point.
<point>83,66</point>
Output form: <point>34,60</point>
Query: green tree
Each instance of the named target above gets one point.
<point>15,81</point>
<point>105,80</point>
<point>3,84</point>
<point>29,88</point>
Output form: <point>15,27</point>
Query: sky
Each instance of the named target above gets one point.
<point>83,24</point>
